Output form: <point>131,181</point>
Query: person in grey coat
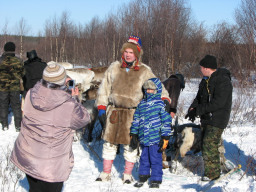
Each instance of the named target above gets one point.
<point>43,149</point>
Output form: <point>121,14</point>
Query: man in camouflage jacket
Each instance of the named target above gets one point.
<point>11,72</point>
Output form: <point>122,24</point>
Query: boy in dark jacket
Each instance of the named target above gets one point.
<point>213,105</point>
<point>152,127</point>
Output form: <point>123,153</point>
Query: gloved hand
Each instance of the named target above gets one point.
<point>164,142</point>
<point>167,106</point>
<point>101,112</point>
<point>134,141</point>
<point>102,117</point>
<point>191,115</point>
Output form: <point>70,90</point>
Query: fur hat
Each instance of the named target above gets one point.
<point>9,47</point>
<point>149,85</point>
<point>55,73</point>
<point>209,61</point>
<point>133,43</point>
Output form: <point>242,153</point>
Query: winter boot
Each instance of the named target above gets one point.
<point>5,127</point>
<point>17,129</point>
<point>155,184</point>
<point>142,180</point>
<point>105,175</point>
<point>127,176</point>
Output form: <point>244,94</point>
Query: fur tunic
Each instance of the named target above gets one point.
<point>122,91</point>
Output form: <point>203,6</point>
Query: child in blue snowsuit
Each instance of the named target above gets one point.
<point>152,128</point>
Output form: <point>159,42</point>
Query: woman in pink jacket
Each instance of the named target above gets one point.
<point>43,149</point>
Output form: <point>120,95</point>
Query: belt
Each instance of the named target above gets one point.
<point>112,104</point>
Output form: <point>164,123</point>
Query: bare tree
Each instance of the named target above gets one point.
<point>224,46</point>
<point>5,32</point>
<point>246,21</point>
<point>22,30</point>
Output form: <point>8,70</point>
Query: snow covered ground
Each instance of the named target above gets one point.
<point>239,142</point>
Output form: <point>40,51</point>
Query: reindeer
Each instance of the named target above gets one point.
<point>89,81</point>
<point>188,137</point>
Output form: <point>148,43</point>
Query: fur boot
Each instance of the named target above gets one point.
<point>127,176</point>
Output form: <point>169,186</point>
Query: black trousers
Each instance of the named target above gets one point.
<point>36,185</point>
<point>13,98</point>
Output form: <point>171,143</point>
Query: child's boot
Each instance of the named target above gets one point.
<point>142,180</point>
<point>105,175</point>
<point>155,184</point>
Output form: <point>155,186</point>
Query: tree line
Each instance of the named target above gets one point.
<point>171,40</point>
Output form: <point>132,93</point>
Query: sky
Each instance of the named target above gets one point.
<point>35,13</point>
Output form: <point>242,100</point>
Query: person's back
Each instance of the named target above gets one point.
<point>34,68</point>
<point>43,149</point>
<point>11,73</point>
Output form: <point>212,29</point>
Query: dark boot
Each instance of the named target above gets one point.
<point>5,127</point>
<point>155,184</point>
<point>142,180</point>
<point>17,129</point>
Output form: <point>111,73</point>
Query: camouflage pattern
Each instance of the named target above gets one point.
<point>11,72</point>
<point>211,155</point>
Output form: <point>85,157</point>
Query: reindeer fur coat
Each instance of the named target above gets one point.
<point>121,92</point>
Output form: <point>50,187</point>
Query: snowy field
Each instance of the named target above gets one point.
<point>239,141</point>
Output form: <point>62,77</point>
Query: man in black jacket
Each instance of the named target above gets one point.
<point>34,68</point>
<point>213,105</point>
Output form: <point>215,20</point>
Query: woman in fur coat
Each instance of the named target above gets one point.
<point>118,96</point>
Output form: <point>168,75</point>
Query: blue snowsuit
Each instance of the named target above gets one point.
<point>151,121</point>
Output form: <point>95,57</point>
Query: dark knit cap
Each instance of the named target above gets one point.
<point>9,46</point>
<point>209,61</point>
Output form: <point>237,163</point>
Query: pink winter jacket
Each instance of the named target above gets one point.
<point>43,148</point>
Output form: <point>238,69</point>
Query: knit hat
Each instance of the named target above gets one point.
<point>133,43</point>
<point>9,46</point>
<point>55,73</point>
<point>209,61</point>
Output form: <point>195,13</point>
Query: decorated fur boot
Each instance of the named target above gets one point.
<point>127,176</point>
<point>105,175</point>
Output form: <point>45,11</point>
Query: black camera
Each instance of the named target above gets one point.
<point>71,84</point>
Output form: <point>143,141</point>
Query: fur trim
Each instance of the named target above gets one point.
<point>149,85</point>
<point>132,46</point>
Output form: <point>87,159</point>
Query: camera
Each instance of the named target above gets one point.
<point>71,84</point>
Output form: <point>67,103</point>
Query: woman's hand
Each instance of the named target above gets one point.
<point>75,91</point>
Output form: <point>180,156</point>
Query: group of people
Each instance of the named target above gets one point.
<point>135,109</point>
<point>16,78</point>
